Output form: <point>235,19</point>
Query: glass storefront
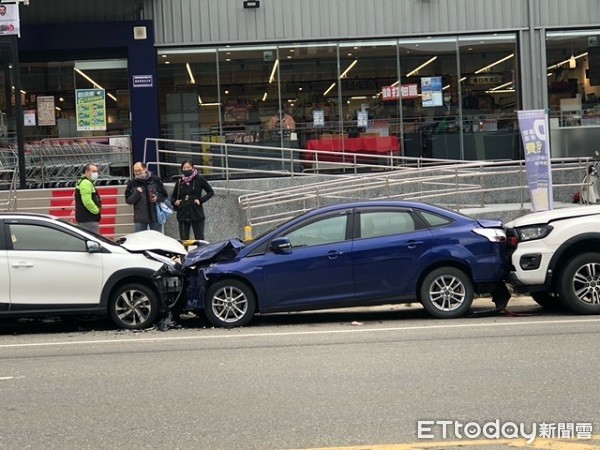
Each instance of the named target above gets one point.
<point>447,98</point>
<point>573,80</point>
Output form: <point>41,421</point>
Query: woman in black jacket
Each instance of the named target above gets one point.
<point>188,200</point>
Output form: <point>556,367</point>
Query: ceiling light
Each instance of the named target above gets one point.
<point>345,72</point>
<point>554,66</point>
<point>421,66</point>
<point>275,65</point>
<point>329,89</point>
<point>94,83</point>
<point>489,66</point>
<point>264,97</point>
<point>572,62</point>
<point>189,70</point>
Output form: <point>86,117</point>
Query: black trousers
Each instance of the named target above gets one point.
<point>184,230</point>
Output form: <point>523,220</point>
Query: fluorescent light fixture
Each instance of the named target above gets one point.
<point>426,63</point>
<point>489,66</point>
<point>500,91</point>
<point>264,97</point>
<point>94,83</point>
<point>566,61</point>
<point>189,70</point>
<point>211,104</point>
<point>345,72</point>
<point>501,86</point>
<point>57,108</point>
<point>275,65</point>
<point>329,89</point>
<point>446,87</point>
<point>359,97</point>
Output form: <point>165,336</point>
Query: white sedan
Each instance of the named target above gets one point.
<point>52,267</point>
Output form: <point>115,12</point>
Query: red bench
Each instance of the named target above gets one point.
<point>345,149</point>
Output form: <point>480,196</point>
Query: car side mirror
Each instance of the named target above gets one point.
<point>93,246</point>
<point>280,244</point>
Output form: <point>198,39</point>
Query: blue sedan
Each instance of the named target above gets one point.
<point>353,254</point>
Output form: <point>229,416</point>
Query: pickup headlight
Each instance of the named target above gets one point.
<point>534,232</point>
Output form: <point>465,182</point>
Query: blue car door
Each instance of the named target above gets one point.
<point>317,270</point>
<point>389,252</point>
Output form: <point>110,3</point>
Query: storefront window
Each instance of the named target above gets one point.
<point>431,94</point>
<point>489,97</point>
<point>365,68</point>
<point>48,97</point>
<point>573,78</point>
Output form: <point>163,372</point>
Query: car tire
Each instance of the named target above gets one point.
<point>548,300</point>
<point>229,303</point>
<point>579,283</point>
<point>133,306</point>
<point>446,293</point>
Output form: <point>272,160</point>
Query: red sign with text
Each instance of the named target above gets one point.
<point>394,92</point>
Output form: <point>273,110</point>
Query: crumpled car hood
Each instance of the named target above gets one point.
<point>153,241</point>
<point>207,254</point>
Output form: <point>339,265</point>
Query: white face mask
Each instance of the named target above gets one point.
<point>94,176</point>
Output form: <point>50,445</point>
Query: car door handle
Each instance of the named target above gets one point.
<point>20,264</point>
<point>334,254</point>
<point>413,244</point>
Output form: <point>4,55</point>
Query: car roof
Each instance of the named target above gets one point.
<point>387,203</point>
<point>4,214</point>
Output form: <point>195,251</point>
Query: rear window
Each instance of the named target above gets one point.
<point>433,220</point>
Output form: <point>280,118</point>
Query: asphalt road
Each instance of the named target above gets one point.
<point>361,377</point>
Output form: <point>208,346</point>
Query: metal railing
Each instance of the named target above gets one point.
<point>457,186</point>
<point>451,183</point>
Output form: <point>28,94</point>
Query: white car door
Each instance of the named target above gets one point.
<point>49,267</point>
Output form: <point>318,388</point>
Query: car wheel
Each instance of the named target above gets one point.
<point>580,284</point>
<point>229,303</point>
<point>548,300</point>
<point>133,306</point>
<point>446,293</point>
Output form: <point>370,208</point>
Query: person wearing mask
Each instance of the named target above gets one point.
<point>87,200</point>
<point>190,193</point>
<point>144,191</point>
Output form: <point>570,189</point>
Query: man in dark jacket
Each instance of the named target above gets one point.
<point>144,192</point>
<point>87,200</point>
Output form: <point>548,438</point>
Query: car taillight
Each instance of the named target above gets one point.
<point>493,234</point>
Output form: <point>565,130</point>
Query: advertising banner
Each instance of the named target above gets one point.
<point>91,109</point>
<point>9,19</point>
<point>534,128</point>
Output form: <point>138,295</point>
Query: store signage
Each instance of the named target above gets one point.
<point>142,81</point>
<point>478,80</point>
<point>394,92</point>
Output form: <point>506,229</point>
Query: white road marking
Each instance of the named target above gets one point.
<point>353,330</point>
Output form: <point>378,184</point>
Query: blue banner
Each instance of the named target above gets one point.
<point>535,136</point>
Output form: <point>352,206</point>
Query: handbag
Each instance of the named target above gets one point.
<point>164,210</point>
